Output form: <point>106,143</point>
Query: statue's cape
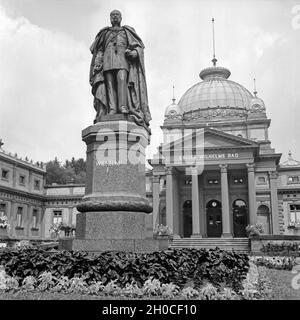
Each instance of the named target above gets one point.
<point>137,89</point>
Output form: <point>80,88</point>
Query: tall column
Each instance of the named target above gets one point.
<point>251,195</point>
<point>274,202</point>
<point>226,225</point>
<point>195,204</point>
<point>155,198</point>
<point>169,197</point>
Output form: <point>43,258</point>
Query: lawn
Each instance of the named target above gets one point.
<point>281,285</point>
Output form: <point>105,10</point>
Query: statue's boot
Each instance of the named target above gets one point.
<point>124,109</point>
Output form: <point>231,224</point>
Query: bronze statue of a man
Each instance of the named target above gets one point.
<point>117,73</point>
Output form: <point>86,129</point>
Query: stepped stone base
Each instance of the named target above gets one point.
<point>229,244</point>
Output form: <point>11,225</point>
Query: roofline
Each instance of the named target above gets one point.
<point>50,186</point>
<point>201,125</point>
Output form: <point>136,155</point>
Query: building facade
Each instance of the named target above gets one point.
<point>216,171</point>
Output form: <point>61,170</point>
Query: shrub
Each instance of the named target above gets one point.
<point>78,285</point>
<point>256,285</point>
<point>12,283</point>
<point>174,266</point>
<point>132,290</point>
<point>161,229</point>
<point>112,288</point>
<point>189,293</point>
<point>96,287</point>
<point>2,279</point>
<point>280,263</point>
<point>255,230</point>
<point>62,284</point>
<point>209,292</point>
<point>23,244</point>
<point>228,294</point>
<point>152,287</point>
<point>169,290</point>
<point>46,281</point>
<point>29,283</point>
<point>4,222</point>
<point>284,248</point>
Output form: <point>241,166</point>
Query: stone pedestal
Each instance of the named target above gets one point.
<point>113,211</point>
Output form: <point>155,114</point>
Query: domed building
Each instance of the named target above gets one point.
<point>216,172</point>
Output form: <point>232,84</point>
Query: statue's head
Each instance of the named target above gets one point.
<point>115,17</point>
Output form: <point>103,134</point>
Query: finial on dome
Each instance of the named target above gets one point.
<point>255,91</point>
<point>1,143</point>
<point>173,99</point>
<point>290,154</point>
<point>214,60</point>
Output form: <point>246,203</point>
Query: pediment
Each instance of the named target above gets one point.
<point>214,139</point>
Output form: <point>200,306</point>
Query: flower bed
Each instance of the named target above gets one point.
<point>280,263</point>
<point>220,268</point>
<point>255,286</point>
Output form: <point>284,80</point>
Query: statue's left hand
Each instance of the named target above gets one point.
<point>132,54</point>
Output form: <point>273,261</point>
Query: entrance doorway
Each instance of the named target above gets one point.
<point>214,218</point>
<point>239,210</point>
<point>187,219</point>
<point>263,216</point>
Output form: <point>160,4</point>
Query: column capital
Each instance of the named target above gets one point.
<point>169,170</point>
<point>273,174</point>
<point>155,179</point>
<point>223,168</point>
<point>250,167</point>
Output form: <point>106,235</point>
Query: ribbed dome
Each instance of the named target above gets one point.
<point>215,91</point>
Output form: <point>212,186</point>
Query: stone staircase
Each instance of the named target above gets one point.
<point>236,244</point>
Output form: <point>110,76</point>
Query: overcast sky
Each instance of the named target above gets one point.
<point>45,98</point>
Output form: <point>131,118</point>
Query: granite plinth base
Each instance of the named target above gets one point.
<point>107,225</point>
<point>100,231</point>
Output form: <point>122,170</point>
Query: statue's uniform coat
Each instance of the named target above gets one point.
<point>137,90</point>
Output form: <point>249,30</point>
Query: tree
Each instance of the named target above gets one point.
<point>70,172</point>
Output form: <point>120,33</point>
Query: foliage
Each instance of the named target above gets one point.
<point>62,284</point>
<point>46,281</point>
<point>152,287</point>
<point>132,290</point>
<point>284,248</point>
<point>78,285</point>
<point>209,292</point>
<point>281,263</point>
<point>161,230</point>
<point>56,228</point>
<point>172,266</point>
<point>29,283</point>
<point>256,285</point>
<point>254,230</point>
<point>70,172</point>
<point>23,244</point>
<point>169,290</point>
<point>189,293</point>
<point>4,222</point>
<point>112,288</point>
